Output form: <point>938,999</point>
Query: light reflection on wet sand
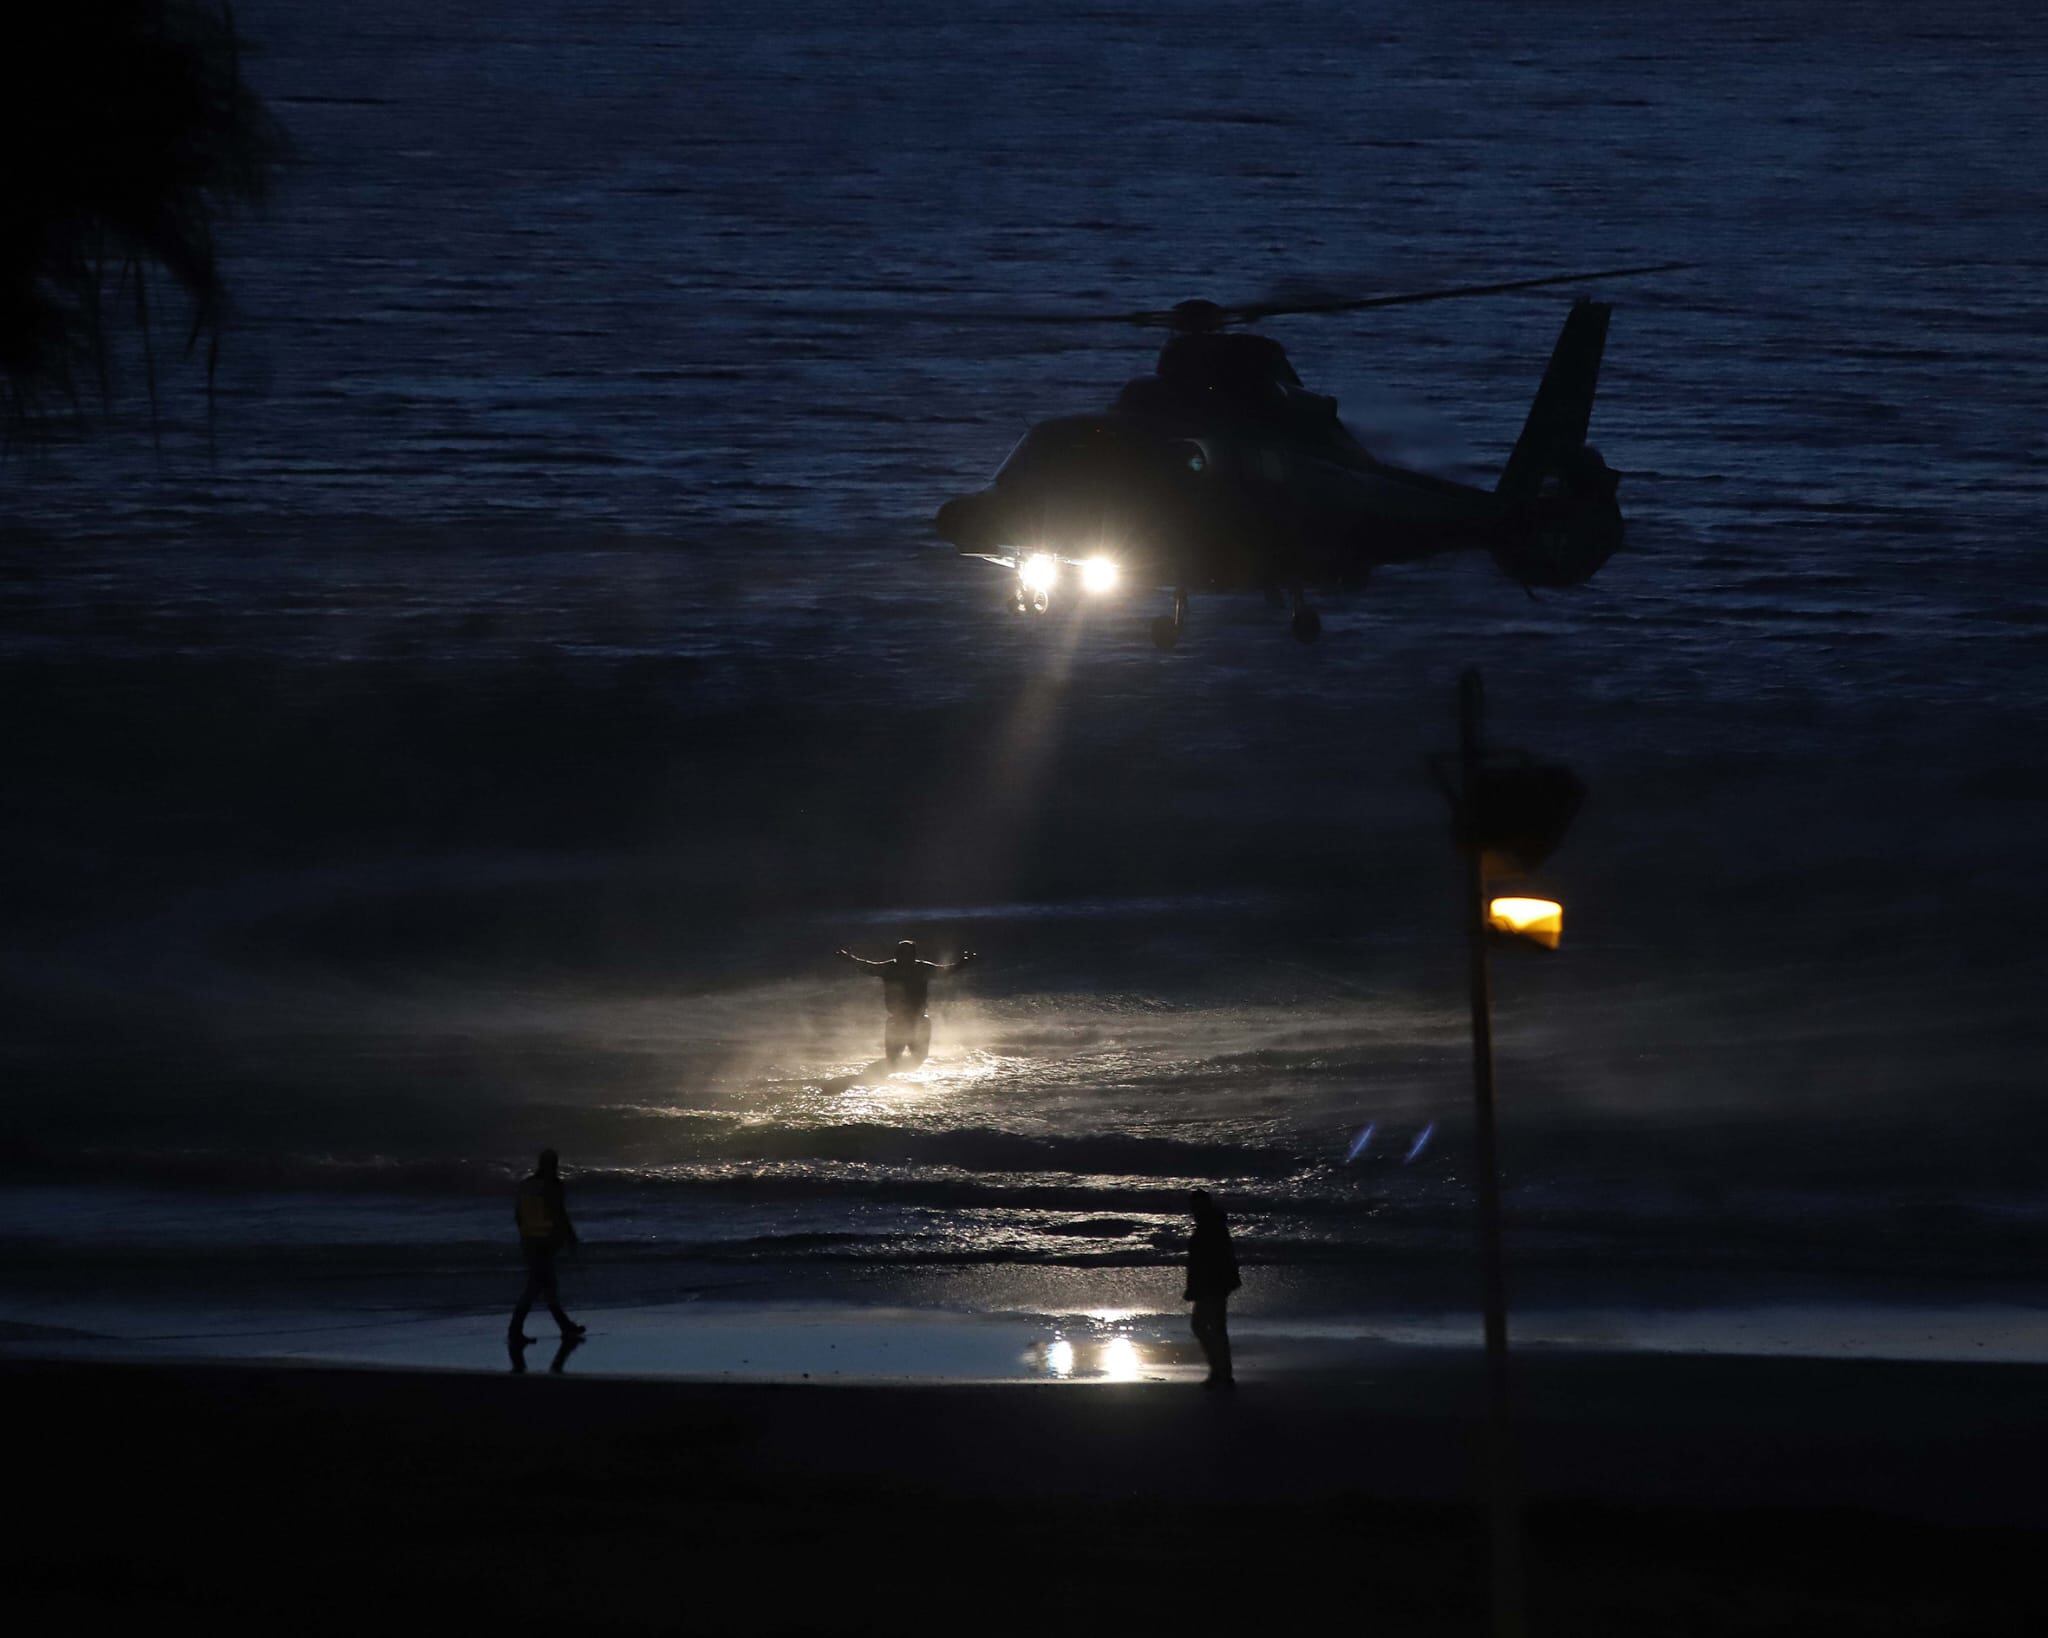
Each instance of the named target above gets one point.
<point>1117,1357</point>
<point>733,1340</point>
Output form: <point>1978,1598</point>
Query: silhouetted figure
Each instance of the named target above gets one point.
<point>1212,1276</point>
<point>906,982</point>
<point>542,1215</point>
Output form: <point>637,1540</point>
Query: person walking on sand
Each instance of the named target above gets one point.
<point>1212,1276</point>
<point>906,981</point>
<point>542,1215</point>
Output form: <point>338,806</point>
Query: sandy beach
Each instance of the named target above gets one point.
<point>1666,1494</point>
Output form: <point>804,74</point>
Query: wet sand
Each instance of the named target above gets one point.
<point>1669,1495</point>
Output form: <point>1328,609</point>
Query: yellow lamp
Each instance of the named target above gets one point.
<point>1540,921</point>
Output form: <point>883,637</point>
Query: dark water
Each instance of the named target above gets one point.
<point>485,732</point>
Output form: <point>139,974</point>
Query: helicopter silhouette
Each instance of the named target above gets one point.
<point>1221,472</point>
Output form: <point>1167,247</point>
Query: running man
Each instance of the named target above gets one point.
<point>905,983</point>
<point>542,1214</point>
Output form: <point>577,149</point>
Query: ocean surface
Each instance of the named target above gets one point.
<point>481,727</point>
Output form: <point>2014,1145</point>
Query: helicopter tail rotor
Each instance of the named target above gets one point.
<point>1563,535</point>
<point>1562,490</point>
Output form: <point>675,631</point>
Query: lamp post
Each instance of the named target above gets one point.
<point>1509,813</point>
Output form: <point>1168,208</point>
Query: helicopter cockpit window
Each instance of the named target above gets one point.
<point>1073,451</point>
<point>1019,461</point>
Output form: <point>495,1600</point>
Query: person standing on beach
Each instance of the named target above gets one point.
<point>1212,1276</point>
<point>542,1215</point>
<point>906,983</point>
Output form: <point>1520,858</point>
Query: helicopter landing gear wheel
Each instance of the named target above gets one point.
<point>1166,628</point>
<point>1307,625</point>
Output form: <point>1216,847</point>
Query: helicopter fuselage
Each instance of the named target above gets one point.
<point>1220,473</point>
<point>1224,507</point>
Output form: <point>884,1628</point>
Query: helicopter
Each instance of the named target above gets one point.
<point>1221,472</point>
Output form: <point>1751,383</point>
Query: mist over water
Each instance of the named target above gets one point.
<point>485,739</point>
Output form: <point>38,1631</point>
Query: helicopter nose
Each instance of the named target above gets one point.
<point>960,520</point>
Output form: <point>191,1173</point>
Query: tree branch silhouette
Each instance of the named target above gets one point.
<point>131,136</point>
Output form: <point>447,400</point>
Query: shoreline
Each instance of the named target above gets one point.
<point>973,1328</point>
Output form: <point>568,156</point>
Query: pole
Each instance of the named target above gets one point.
<point>1503,1504</point>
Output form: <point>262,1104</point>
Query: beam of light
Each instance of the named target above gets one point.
<point>1059,1357</point>
<point>1359,1143</point>
<point>1099,574</point>
<point>979,823</point>
<point>1038,571</point>
<point>1421,1142</point>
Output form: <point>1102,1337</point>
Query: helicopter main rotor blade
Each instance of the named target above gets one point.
<point>949,316</point>
<point>1251,312</point>
<point>1213,315</point>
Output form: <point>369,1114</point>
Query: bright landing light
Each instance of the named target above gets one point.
<point>1541,921</point>
<point>1039,571</point>
<point>1098,574</point>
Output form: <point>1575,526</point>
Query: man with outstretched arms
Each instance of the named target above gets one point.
<point>906,982</point>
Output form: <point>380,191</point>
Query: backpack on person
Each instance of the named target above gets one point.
<point>535,1213</point>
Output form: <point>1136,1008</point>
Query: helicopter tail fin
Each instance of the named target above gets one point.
<point>1556,429</point>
